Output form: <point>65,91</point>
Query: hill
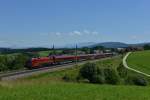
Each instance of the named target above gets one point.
<point>112,45</point>
<point>9,50</point>
<point>104,44</point>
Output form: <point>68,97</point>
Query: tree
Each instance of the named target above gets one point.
<point>146,47</point>
<point>86,50</point>
<point>3,62</point>
<point>98,48</point>
<point>19,62</point>
<point>90,71</point>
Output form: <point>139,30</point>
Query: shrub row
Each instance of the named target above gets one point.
<point>97,74</point>
<point>131,78</point>
<point>12,62</point>
<point>136,80</point>
<point>107,75</point>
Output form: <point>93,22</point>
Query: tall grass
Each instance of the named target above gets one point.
<point>36,90</point>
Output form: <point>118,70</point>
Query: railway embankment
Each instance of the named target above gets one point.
<point>26,73</point>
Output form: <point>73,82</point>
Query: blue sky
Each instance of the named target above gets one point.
<point>26,23</point>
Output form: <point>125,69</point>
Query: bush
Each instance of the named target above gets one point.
<point>89,70</point>
<point>111,76</point>
<point>2,67</point>
<point>98,79</point>
<point>66,77</point>
<point>69,77</point>
<point>136,80</point>
<point>3,63</point>
<point>12,62</point>
<point>97,74</point>
<point>122,71</point>
<point>18,62</point>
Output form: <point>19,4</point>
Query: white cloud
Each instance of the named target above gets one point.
<point>86,32</point>
<point>47,38</point>
<point>95,33</point>
<point>134,37</point>
<point>58,33</point>
<point>73,33</point>
<point>78,33</point>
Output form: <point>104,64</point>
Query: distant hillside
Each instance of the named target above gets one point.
<point>112,45</point>
<point>80,45</point>
<point>4,49</point>
<point>118,45</point>
<point>9,50</point>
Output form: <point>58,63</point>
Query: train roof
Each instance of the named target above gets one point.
<point>40,58</point>
<point>67,56</point>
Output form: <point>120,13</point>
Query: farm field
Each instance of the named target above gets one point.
<point>46,53</point>
<point>140,61</point>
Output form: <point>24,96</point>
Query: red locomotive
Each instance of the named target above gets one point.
<point>45,61</point>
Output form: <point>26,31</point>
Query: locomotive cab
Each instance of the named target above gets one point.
<point>28,64</point>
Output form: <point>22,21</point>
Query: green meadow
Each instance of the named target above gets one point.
<point>140,60</point>
<point>46,90</point>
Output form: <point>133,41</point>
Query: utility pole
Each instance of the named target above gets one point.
<point>76,54</point>
<point>53,54</point>
<point>53,50</point>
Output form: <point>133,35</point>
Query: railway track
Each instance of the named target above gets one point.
<point>25,73</point>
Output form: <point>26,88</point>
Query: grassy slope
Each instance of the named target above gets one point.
<point>49,86</point>
<point>36,90</point>
<point>140,61</point>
